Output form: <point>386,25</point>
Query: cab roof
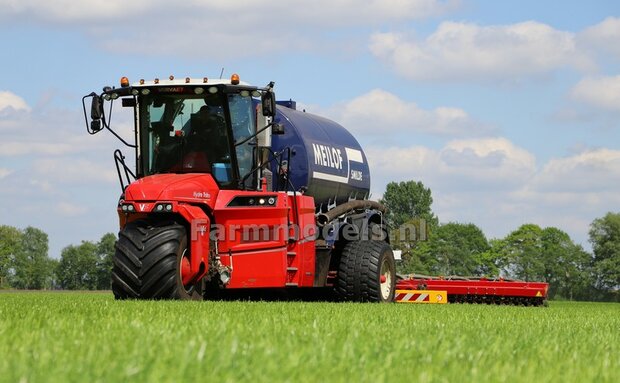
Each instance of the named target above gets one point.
<point>185,81</point>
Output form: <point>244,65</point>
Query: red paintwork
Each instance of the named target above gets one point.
<point>301,253</point>
<point>252,240</point>
<point>256,242</point>
<point>191,195</point>
<point>190,188</point>
<point>198,237</point>
<point>186,271</point>
<point>477,287</point>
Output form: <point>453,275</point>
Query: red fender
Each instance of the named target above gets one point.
<point>198,238</point>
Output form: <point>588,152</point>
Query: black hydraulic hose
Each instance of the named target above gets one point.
<point>325,218</point>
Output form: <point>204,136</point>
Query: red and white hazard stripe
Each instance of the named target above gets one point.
<point>421,296</point>
<point>412,297</point>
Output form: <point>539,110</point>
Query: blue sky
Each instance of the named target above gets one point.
<point>507,110</point>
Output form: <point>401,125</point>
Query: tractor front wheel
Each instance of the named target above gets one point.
<point>149,261</point>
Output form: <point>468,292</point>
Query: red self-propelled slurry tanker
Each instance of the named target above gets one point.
<point>233,191</point>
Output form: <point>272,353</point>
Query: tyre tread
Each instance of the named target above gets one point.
<point>358,272</point>
<point>145,261</point>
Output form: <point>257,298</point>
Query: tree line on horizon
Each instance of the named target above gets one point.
<point>529,253</point>
<point>25,263</point>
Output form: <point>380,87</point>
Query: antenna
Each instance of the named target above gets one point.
<point>222,73</point>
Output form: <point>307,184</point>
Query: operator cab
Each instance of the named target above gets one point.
<point>193,126</point>
<point>189,133</point>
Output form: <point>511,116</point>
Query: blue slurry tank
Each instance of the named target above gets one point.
<point>325,158</point>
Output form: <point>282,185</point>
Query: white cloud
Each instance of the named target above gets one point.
<point>335,12</point>
<point>592,170</point>
<point>64,11</point>
<point>465,51</point>
<point>601,92</point>
<point>496,164</point>
<point>396,164</point>
<point>499,186</point>
<point>381,113</point>
<point>603,36</point>
<point>492,160</point>
<point>233,28</point>
<point>12,102</point>
<point>491,163</point>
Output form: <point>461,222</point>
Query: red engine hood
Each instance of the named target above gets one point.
<point>174,187</point>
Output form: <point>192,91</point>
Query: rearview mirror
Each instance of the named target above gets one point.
<point>268,100</point>
<point>95,108</point>
<point>95,126</point>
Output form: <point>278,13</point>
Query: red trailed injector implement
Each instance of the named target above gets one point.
<point>479,290</point>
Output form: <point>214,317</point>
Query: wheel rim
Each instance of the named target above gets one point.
<point>185,272</point>
<point>385,279</point>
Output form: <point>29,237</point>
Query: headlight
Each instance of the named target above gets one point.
<point>163,208</point>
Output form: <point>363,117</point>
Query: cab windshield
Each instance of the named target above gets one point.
<point>188,133</point>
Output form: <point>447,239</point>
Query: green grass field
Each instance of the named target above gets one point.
<point>89,337</point>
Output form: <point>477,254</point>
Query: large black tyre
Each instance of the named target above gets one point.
<point>367,272</point>
<point>147,262</point>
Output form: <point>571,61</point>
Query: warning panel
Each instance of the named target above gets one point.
<point>421,296</point>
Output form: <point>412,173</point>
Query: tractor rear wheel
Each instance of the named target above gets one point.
<point>148,261</point>
<point>367,272</point>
